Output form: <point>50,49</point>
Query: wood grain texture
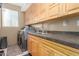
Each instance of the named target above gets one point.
<point>43,47</point>
<point>45,11</point>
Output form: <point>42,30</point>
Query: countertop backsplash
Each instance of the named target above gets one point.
<point>62,24</point>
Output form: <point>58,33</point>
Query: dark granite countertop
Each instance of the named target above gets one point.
<point>66,39</point>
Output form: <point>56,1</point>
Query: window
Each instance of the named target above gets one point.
<point>9,18</point>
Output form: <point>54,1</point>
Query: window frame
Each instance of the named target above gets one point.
<point>17,17</point>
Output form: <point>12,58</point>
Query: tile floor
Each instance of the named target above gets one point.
<point>14,50</point>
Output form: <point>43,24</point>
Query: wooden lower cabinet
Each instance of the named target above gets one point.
<point>45,51</point>
<point>34,48</point>
<point>41,47</point>
<point>33,45</point>
<point>29,45</point>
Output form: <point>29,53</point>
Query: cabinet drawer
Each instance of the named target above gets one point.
<point>66,50</point>
<point>72,8</point>
<point>53,11</point>
<point>49,51</point>
<point>58,53</point>
<point>45,51</point>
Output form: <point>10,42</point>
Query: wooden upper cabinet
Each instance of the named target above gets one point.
<point>72,8</point>
<point>62,10</point>
<point>27,21</point>
<point>43,11</point>
<point>39,12</point>
<point>35,10</point>
<point>28,16</point>
<point>53,10</point>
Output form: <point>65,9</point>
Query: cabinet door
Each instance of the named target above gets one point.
<point>62,49</point>
<point>53,51</point>
<point>29,44</point>
<point>34,48</point>
<point>72,8</point>
<point>34,9</point>
<point>62,9</point>
<point>45,50</point>
<point>43,11</point>
<point>28,16</point>
<point>41,47</point>
<point>53,11</point>
<point>35,45</point>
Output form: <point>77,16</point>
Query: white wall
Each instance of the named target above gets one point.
<point>11,32</point>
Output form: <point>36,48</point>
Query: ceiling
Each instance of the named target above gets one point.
<point>24,6</point>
